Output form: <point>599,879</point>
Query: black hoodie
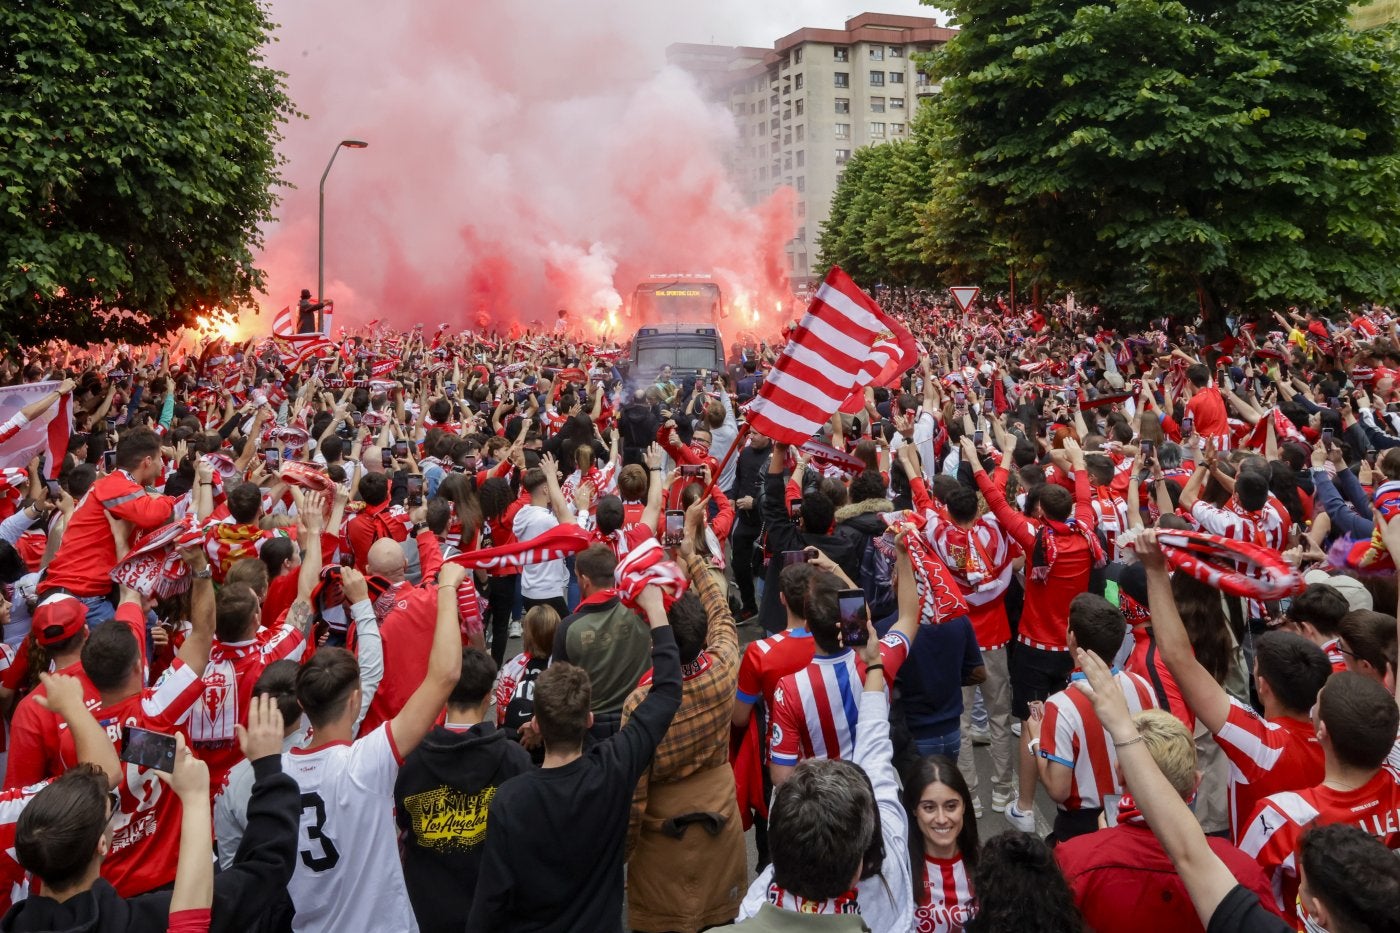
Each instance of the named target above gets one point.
<point>442,796</point>
<point>242,895</point>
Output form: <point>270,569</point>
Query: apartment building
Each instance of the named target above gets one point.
<point>804,106</point>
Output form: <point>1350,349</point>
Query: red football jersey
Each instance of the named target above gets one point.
<point>1272,834</point>
<point>228,679</point>
<point>1267,756</point>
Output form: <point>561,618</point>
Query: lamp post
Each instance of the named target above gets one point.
<point>321,225</point>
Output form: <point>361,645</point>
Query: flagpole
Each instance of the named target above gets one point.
<point>321,227</point>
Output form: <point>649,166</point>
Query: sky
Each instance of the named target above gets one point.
<point>523,157</point>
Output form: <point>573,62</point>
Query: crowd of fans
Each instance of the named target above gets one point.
<point>257,670</point>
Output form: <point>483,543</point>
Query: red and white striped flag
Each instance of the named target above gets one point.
<point>841,345</point>
<point>282,323</point>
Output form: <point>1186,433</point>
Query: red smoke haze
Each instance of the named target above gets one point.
<point>523,157</point>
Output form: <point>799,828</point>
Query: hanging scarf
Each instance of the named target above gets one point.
<point>1046,548</point>
<point>785,900</point>
<point>940,599</point>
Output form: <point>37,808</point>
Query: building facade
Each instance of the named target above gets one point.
<point>804,106</point>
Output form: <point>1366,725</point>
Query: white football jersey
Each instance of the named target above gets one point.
<point>348,875</point>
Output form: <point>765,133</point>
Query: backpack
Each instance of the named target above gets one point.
<point>877,581</point>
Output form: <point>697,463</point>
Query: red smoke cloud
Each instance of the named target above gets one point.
<point>523,158</point>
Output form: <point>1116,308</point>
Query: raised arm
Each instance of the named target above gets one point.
<point>194,652</point>
<point>656,492</point>
<point>1206,698</point>
<point>194,871</point>
<point>63,695</point>
<point>1206,877</point>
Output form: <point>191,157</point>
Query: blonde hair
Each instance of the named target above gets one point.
<point>537,631</point>
<point>1171,746</point>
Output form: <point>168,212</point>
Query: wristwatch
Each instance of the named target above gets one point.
<point>205,573</point>
<point>418,529</point>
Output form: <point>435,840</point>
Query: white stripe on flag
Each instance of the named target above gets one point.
<point>849,308</point>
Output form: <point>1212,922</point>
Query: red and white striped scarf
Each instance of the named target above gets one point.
<point>940,599</point>
<point>1236,568</point>
<point>1046,547</point>
<point>647,565</point>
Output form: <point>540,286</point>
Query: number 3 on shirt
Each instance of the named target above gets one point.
<point>329,855</point>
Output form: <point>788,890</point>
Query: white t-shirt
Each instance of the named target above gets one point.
<point>347,868</point>
<point>545,580</point>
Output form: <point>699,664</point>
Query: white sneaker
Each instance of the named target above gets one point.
<point>976,806</point>
<point>1000,798</point>
<point>1016,728</point>
<point>515,628</point>
<point>980,736</point>
<point>1024,822</point>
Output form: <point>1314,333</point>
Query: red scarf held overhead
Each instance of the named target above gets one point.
<point>1046,549</point>
<point>556,543</point>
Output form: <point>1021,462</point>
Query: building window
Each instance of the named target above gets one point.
<point>896,51</point>
<point>877,53</point>
<point>801,158</point>
<point>877,79</point>
<point>843,156</point>
<point>896,129</point>
<point>801,205</point>
<point>787,163</point>
<point>763,172</point>
<point>843,78</point>
<point>877,131</point>
<point>877,105</point>
<point>896,77</point>
<point>800,105</point>
<point>801,132</point>
<point>843,105</point>
<point>843,130</point>
<point>843,53</point>
<point>896,103</point>
<point>797,81</point>
<point>801,186</point>
<point>797,56</point>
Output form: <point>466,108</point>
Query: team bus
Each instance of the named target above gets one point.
<point>678,317</point>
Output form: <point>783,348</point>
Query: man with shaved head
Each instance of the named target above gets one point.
<point>406,614</point>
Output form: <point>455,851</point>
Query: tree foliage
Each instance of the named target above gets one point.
<point>873,229</point>
<point>138,156</point>
<point>1154,156</point>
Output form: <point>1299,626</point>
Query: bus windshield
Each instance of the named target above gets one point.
<point>676,302</point>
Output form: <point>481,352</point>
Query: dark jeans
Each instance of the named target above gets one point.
<point>742,543</point>
<point>501,592</point>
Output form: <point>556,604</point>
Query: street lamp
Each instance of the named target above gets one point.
<point>321,226</point>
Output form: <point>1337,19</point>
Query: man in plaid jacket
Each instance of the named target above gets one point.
<point>687,866</point>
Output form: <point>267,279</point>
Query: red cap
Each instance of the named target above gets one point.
<point>58,619</point>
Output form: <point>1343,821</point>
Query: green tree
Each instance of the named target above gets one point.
<point>873,228</point>
<point>1160,155</point>
<point>138,156</point>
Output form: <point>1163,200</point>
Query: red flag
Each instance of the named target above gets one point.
<point>841,345</point>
